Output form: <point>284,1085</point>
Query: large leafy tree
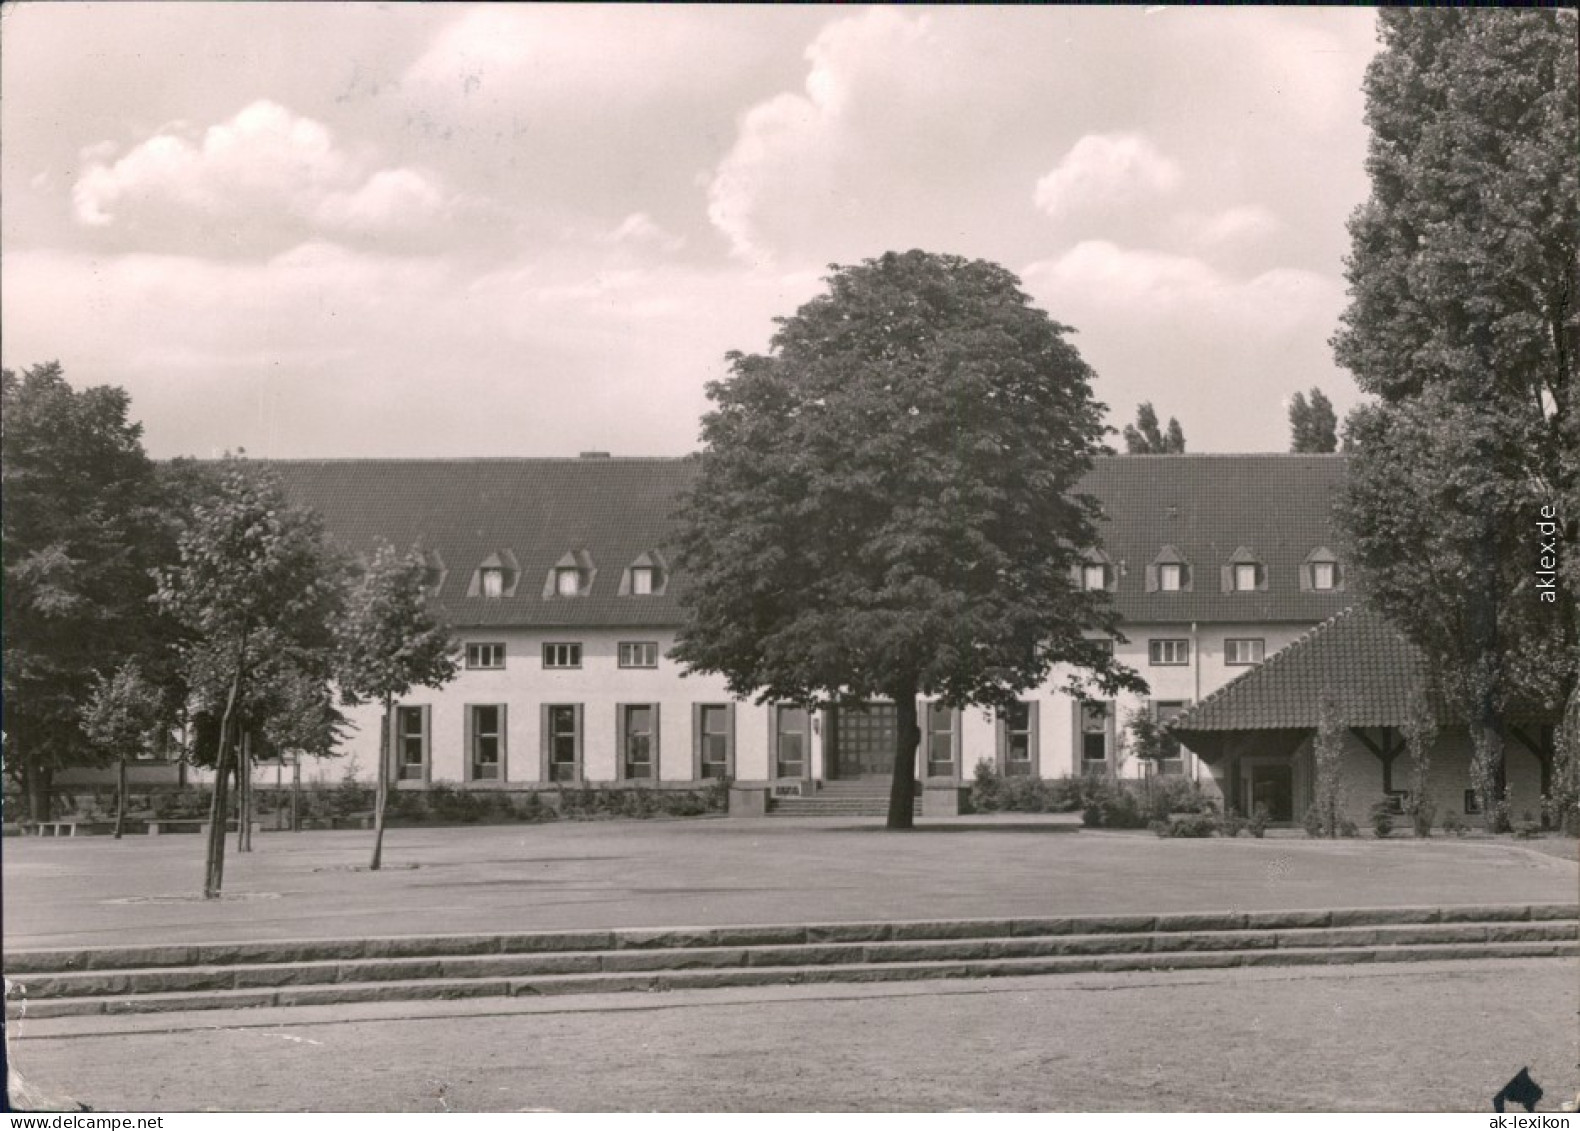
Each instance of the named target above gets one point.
<point>1313,425</point>
<point>1144,437</point>
<point>258,589</point>
<point>81,532</point>
<point>885,503</point>
<point>391,640</point>
<point>1463,324</point>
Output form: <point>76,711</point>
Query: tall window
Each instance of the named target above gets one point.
<point>638,654</point>
<point>1322,574</point>
<point>642,581</point>
<point>562,655</point>
<point>493,581</point>
<point>639,741</point>
<point>1094,735</point>
<point>411,743</point>
<point>1238,653</point>
<point>1173,761</point>
<point>482,656</point>
<point>1016,721</point>
<point>567,581</point>
<point>1170,577</point>
<point>1094,575</point>
<point>487,743</point>
<point>940,741</point>
<point>791,741</point>
<point>1168,653</point>
<point>713,740</point>
<point>563,731</point>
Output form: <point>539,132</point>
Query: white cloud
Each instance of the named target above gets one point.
<point>1240,224</point>
<point>1106,171</point>
<point>266,172</point>
<point>639,230</point>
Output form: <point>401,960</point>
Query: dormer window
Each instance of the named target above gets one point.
<point>1244,572</point>
<point>1169,573</point>
<point>1094,575</point>
<point>496,576</point>
<point>1245,576</point>
<point>645,577</point>
<point>571,576</point>
<point>1320,571</point>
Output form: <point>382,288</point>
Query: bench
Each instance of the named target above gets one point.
<point>163,825</point>
<point>74,826</point>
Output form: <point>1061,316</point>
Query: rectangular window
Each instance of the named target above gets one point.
<point>486,759</point>
<point>639,742</point>
<point>714,739</point>
<point>1016,721</point>
<point>642,581</point>
<point>1238,653</point>
<point>1173,761</point>
<point>485,656</point>
<point>940,741</point>
<point>1168,653</point>
<point>1322,575</point>
<point>1094,736</point>
<point>791,741</point>
<point>567,582</point>
<point>564,740</point>
<point>493,582</point>
<point>1170,575</point>
<point>638,654</point>
<point>1244,576</point>
<point>1094,575</point>
<point>411,743</point>
<point>1472,802</point>
<point>562,655</point>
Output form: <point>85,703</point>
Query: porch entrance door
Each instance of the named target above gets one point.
<point>1271,785</point>
<point>862,744</point>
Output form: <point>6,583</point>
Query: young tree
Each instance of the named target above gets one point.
<point>1463,321</point>
<point>1313,425</point>
<point>80,534</point>
<point>121,720</point>
<point>1420,736</point>
<point>1145,438</point>
<point>1328,766</point>
<point>255,579</point>
<point>390,642</point>
<point>885,502</point>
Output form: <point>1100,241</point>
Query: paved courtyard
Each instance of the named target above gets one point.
<point>716,871</point>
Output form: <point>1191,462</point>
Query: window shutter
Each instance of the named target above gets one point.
<point>1306,571</point>
<point>773,739</point>
<point>696,742</point>
<point>658,748</point>
<point>955,746</point>
<point>1000,739</point>
<point>1152,578</point>
<point>1187,578</point>
<point>1261,576</point>
<point>581,743</point>
<point>1032,706</point>
<point>545,743</point>
<point>729,740</point>
<point>620,740</point>
<point>1076,577</point>
<point>469,737</point>
<point>1226,578</point>
<point>504,742</point>
<point>1077,744</point>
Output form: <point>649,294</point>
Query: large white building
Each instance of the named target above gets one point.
<point>555,577</point>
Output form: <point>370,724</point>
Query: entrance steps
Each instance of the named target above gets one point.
<point>176,977</point>
<point>839,799</point>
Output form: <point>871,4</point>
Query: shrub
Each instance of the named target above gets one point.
<point>1161,828</point>
<point>1422,813</point>
<point>1257,825</point>
<point>1454,823</point>
<point>1232,824</point>
<point>1348,828</point>
<point>1527,826</point>
<point>1112,806</point>
<point>1194,825</point>
<point>1382,819</point>
<point>986,787</point>
<point>1312,821</point>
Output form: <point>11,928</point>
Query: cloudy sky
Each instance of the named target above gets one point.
<point>431,230</point>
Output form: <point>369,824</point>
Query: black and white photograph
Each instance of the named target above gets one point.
<point>776,558</point>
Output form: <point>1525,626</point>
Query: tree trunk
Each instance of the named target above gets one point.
<point>296,787</point>
<point>381,786</point>
<point>214,864</point>
<point>244,795</point>
<point>907,737</point>
<point>120,796</point>
<point>37,782</point>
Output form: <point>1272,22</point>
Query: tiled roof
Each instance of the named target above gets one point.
<point>1206,506</point>
<point>1371,670</point>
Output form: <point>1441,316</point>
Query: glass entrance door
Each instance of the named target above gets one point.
<point>1271,786</point>
<point>862,741</point>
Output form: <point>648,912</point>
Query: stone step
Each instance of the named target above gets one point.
<point>218,977</point>
<point>279,951</point>
<point>683,979</point>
